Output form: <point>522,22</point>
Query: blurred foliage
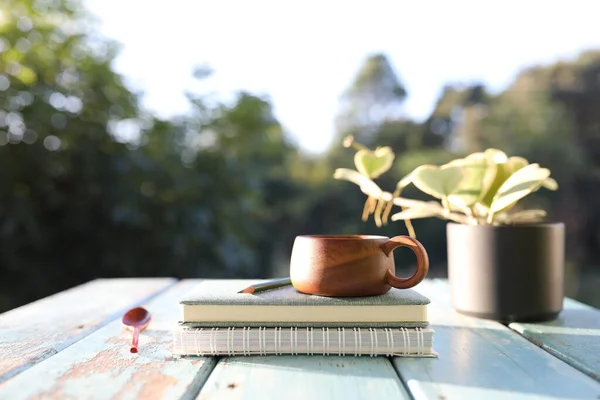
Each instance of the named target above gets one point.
<point>91,185</point>
<point>376,96</point>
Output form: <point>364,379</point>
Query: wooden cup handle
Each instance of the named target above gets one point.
<point>422,261</point>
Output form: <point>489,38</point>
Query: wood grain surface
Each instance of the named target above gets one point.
<point>304,377</point>
<point>100,366</point>
<point>482,359</point>
<point>60,352</point>
<point>574,336</point>
<point>36,331</point>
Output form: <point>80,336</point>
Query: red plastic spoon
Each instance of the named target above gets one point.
<point>138,318</point>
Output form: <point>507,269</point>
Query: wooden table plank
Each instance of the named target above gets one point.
<point>574,336</point>
<point>100,366</point>
<point>480,359</point>
<point>303,377</point>
<point>34,332</point>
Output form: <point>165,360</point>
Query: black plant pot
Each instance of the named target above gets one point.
<point>507,273</point>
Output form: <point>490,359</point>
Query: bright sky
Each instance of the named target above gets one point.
<point>303,54</point>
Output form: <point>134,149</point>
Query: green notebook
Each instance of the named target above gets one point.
<point>217,303</point>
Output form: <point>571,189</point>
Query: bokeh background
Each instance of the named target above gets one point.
<point>197,139</point>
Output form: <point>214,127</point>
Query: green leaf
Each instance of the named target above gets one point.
<point>520,184</point>
<point>418,212</point>
<point>513,164</point>
<point>374,163</point>
<point>404,202</point>
<point>437,181</point>
<point>525,216</point>
<point>479,172</point>
<point>480,210</point>
<point>550,184</point>
<point>367,186</point>
<point>495,156</point>
<point>404,182</point>
<point>422,209</point>
<point>503,171</point>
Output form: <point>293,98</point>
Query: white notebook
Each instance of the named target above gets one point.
<point>246,341</point>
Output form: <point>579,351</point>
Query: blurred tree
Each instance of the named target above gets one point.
<point>531,119</point>
<point>255,146</point>
<point>375,96</point>
<point>372,111</point>
<point>59,168</point>
<point>575,86</point>
<point>91,186</point>
<point>456,121</point>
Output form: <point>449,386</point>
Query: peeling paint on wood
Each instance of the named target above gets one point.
<point>482,359</point>
<point>303,377</point>
<point>100,366</point>
<point>574,336</point>
<point>88,357</point>
<point>36,331</point>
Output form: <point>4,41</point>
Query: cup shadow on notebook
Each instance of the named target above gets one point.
<point>352,265</point>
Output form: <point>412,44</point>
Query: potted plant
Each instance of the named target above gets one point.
<point>504,263</point>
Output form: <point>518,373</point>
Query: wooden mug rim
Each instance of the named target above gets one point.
<point>351,237</point>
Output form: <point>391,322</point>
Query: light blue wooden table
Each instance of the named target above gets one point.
<point>73,346</point>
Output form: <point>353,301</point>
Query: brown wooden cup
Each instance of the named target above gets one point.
<point>352,265</point>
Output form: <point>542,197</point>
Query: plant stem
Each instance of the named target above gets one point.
<point>456,218</point>
<point>359,146</point>
<point>471,216</point>
<point>445,204</point>
<point>409,227</point>
<point>349,141</point>
<point>377,213</point>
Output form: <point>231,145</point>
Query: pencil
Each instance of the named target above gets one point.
<point>271,284</point>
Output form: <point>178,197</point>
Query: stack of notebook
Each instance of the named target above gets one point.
<point>217,320</point>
